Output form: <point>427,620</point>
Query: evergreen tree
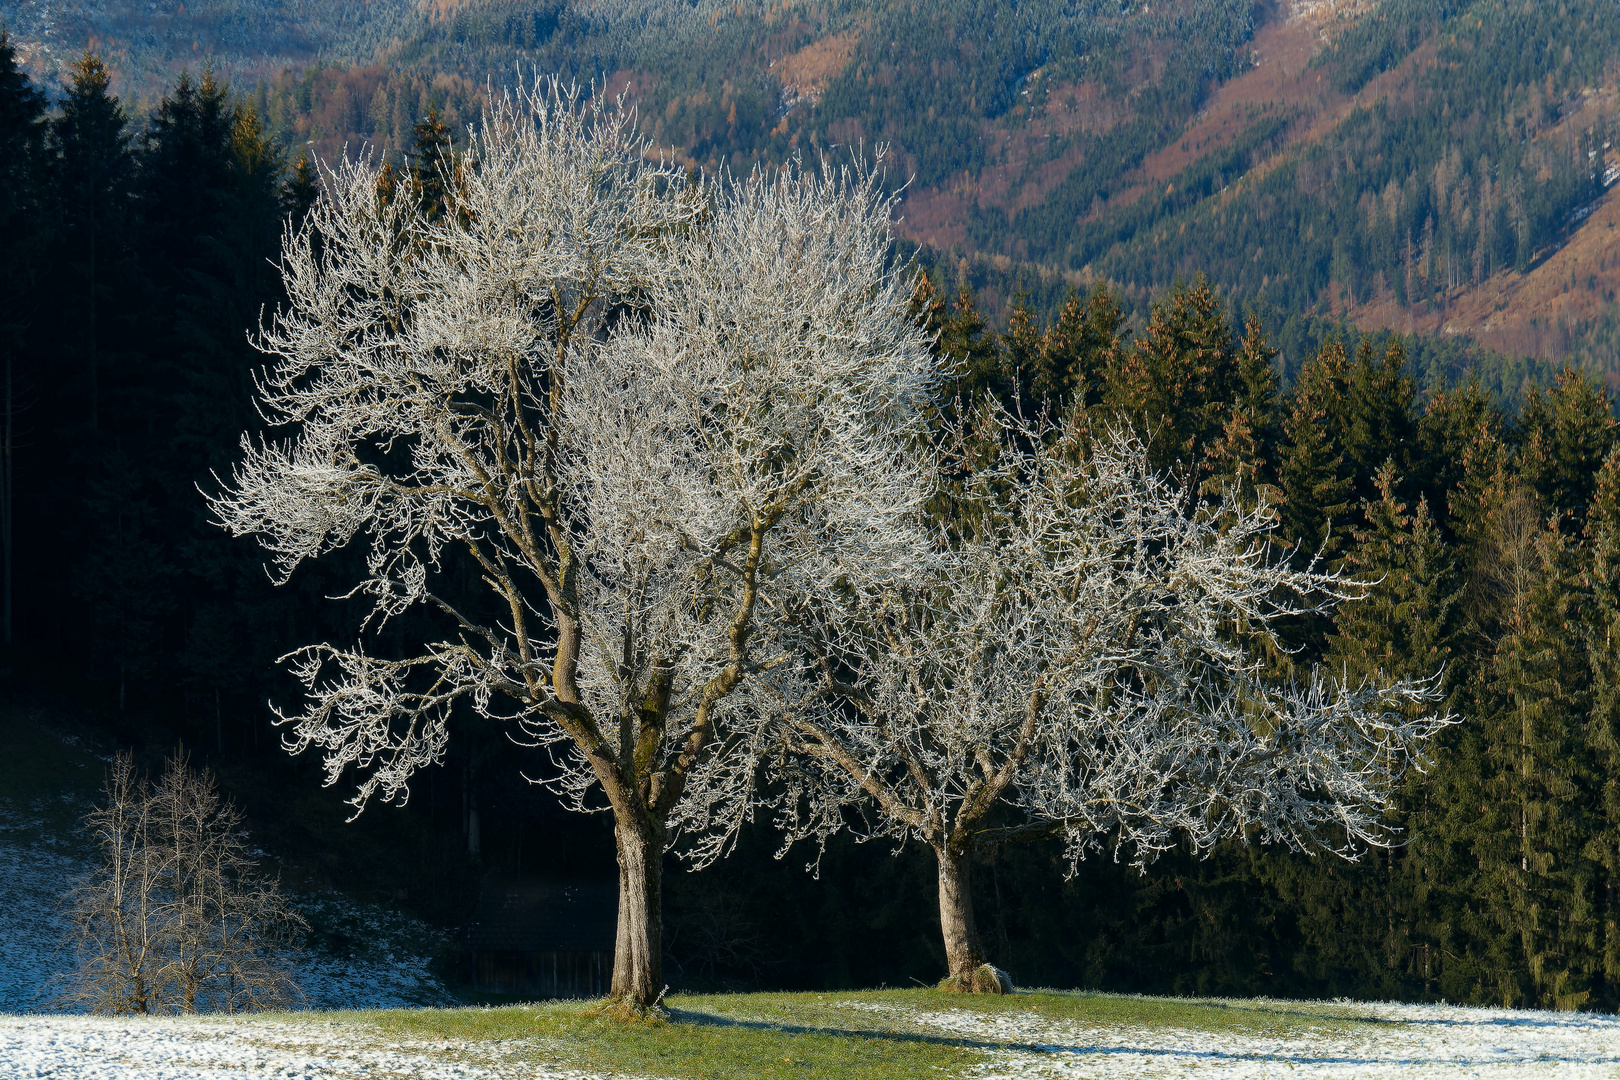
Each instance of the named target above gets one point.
<point>1452,421</point>
<point>93,306</point>
<point>1080,348</point>
<point>23,241</point>
<point>1602,736</point>
<point>22,136</point>
<point>433,163</point>
<point>1407,625</point>
<point>1376,420</point>
<point>207,185</point>
<point>1564,435</point>
<point>964,337</point>
<point>186,164</point>
<point>1020,347</point>
<point>387,184</point>
<point>300,191</point>
<point>1176,383</point>
<point>1367,924</point>
<point>94,176</point>
<point>1538,883</point>
<point>1311,470</point>
<point>1243,453</point>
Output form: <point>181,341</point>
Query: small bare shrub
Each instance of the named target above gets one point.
<point>174,918</point>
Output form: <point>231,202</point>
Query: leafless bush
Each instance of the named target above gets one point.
<point>174,918</point>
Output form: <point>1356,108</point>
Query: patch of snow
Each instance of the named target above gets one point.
<point>30,925</point>
<point>387,963</point>
<point>1347,1040</point>
<point>187,1048</point>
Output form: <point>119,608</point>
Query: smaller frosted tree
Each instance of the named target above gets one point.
<point>1076,659</point>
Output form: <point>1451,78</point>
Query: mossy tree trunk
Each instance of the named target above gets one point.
<point>638,950</point>
<point>964,951</point>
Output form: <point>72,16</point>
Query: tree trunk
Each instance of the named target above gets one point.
<point>964,953</point>
<point>638,954</point>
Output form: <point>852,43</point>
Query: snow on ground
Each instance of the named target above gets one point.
<point>31,877</point>
<point>387,964</point>
<point>185,1048</point>
<point>1322,1041</point>
<point>382,960</point>
<point>1343,1040</point>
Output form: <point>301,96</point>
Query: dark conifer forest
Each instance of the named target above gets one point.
<point>1478,493</point>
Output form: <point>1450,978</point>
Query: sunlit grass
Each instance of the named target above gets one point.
<point>837,1035</point>
<point>701,1039</point>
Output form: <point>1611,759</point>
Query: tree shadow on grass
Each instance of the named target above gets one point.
<point>687,1016</point>
<point>1184,1053</point>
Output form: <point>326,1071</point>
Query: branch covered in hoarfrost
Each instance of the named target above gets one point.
<point>1081,649</point>
<point>641,411</point>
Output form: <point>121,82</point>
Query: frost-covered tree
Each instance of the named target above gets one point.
<point>640,409</point>
<point>1076,659</point>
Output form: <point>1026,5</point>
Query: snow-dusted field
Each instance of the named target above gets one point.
<point>213,1049</point>
<point>1315,1040</point>
<point>1338,1040</point>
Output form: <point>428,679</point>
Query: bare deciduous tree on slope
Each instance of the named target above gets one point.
<point>174,918</point>
<point>643,411</point>
<point>1074,660</point>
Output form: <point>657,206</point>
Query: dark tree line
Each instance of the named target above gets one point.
<point>140,255</point>
<point>135,256</point>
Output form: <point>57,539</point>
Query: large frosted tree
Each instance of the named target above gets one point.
<point>1081,656</point>
<point>642,410</point>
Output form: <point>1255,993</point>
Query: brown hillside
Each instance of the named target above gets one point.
<point>1538,311</point>
<point>806,73</point>
<point>1287,37</point>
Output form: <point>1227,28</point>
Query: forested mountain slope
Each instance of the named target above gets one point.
<point>1412,164</point>
<point>149,43</point>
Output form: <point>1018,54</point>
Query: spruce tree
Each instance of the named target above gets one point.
<point>1452,420</point>
<point>299,192</point>
<point>23,240</point>
<point>1022,356</point>
<point>1244,452</point>
<point>1311,468</point>
<point>1367,925</point>
<point>964,338</point>
<point>433,163</point>
<point>1481,468</point>
<point>1539,882</point>
<point>186,171</point>
<point>1080,348</point>
<point>94,178</point>
<point>22,137</point>
<point>1565,434</point>
<point>1602,735</point>
<point>1175,385</point>
<point>1407,624</point>
<point>1376,419</point>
